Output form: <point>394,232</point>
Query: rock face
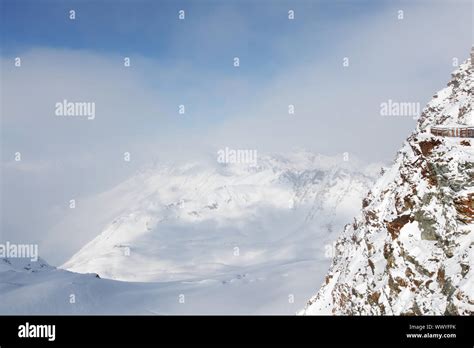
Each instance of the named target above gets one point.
<point>410,252</point>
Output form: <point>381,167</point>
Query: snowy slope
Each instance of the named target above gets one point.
<point>410,250</point>
<point>199,221</point>
<point>182,226</point>
<point>46,290</point>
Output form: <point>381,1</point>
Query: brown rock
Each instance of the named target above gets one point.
<point>396,225</point>
<point>428,145</point>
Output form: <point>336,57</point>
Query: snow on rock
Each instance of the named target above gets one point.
<point>410,250</point>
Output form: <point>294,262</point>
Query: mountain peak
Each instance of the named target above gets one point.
<point>451,106</point>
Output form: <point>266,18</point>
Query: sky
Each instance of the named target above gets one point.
<point>190,62</point>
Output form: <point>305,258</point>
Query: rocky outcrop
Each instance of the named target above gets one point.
<point>410,252</point>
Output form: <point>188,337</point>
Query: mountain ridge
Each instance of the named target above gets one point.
<point>262,210</point>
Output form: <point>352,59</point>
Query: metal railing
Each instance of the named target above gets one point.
<point>461,132</point>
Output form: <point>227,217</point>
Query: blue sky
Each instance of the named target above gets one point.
<point>190,62</point>
<point>212,32</point>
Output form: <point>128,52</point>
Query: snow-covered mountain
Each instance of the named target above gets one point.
<point>410,251</point>
<point>201,220</point>
<point>202,239</point>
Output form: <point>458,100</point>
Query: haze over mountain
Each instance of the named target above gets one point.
<point>200,220</point>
